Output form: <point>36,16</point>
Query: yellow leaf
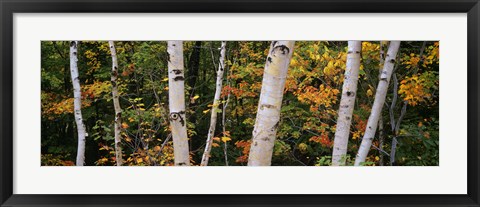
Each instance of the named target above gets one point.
<point>165,79</point>
<point>377,158</point>
<point>226,139</point>
<point>156,148</point>
<point>139,160</point>
<point>196,97</point>
<point>206,111</point>
<point>293,62</point>
<point>369,92</point>
<point>124,125</point>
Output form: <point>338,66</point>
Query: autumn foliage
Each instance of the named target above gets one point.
<point>308,115</point>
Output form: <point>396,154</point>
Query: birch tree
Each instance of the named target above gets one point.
<point>176,95</point>
<point>116,105</point>
<point>77,104</point>
<point>268,112</point>
<point>381,131</point>
<point>347,102</point>
<point>216,103</point>
<point>380,95</point>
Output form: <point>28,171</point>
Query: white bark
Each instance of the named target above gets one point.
<point>116,105</point>
<point>378,103</point>
<point>77,104</point>
<point>347,103</point>
<point>268,112</point>
<point>176,95</point>
<point>216,102</point>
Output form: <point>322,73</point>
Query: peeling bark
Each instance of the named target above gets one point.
<point>216,103</point>
<point>380,95</point>
<point>176,95</point>
<point>77,104</point>
<point>116,105</point>
<point>347,101</point>
<point>268,113</point>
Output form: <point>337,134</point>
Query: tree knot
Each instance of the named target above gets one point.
<point>178,116</point>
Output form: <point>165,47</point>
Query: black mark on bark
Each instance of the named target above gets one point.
<point>266,106</point>
<point>177,115</point>
<point>283,48</point>
<point>179,78</point>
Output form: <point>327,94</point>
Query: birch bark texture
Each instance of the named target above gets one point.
<point>216,103</point>
<point>176,95</point>
<point>268,112</point>
<point>116,105</point>
<point>77,104</point>
<point>380,95</point>
<point>347,102</point>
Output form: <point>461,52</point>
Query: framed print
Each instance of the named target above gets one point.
<point>235,103</point>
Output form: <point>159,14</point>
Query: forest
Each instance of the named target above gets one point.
<point>240,103</point>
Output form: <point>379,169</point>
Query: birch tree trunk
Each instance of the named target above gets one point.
<point>395,134</point>
<point>77,104</point>
<point>268,112</point>
<point>381,132</point>
<point>116,104</point>
<point>347,103</point>
<point>176,95</point>
<point>216,103</point>
<point>378,103</point>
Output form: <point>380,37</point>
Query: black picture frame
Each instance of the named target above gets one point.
<point>9,7</point>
